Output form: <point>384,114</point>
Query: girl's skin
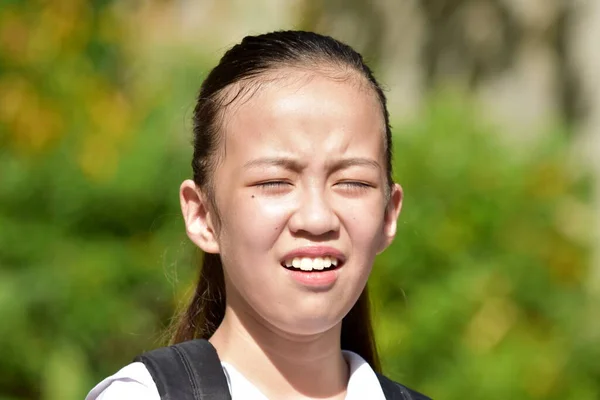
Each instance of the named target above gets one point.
<point>301,165</point>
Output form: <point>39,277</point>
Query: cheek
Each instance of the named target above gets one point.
<point>255,222</point>
<point>364,223</point>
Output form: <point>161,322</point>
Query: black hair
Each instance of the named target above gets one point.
<point>246,62</point>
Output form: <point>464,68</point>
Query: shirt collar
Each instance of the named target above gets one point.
<point>363,382</point>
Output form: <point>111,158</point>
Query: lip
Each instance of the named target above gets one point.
<point>315,251</point>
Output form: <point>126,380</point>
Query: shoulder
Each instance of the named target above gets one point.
<point>396,391</point>
<point>133,382</point>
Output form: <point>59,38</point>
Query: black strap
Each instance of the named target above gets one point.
<point>395,391</point>
<point>192,371</point>
<point>187,371</point>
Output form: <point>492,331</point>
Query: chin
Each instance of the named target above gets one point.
<point>310,326</point>
<point>309,321</point>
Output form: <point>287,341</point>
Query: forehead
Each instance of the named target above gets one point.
<point>301,112</point>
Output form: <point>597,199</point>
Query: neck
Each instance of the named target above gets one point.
<point>281,365</point>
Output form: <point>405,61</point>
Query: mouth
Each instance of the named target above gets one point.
<point>312,264</point>
<point>314,267</point>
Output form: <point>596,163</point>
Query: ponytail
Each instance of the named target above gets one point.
<point>357,331</point>
<point>207,309</point>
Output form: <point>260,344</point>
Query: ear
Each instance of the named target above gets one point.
<point>390,219</point>
<point>198,217</point>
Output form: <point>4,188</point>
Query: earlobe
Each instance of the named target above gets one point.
<point>392,211</point>
<point>198,217</point>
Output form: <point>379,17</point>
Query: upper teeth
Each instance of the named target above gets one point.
<point>309,264</point>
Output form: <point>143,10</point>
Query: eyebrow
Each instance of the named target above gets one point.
<point>355,161</point>
<point>295,165</point>
<point>288,163</point>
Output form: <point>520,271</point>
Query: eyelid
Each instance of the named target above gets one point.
<point>272,183</point>
<point>360,184</point>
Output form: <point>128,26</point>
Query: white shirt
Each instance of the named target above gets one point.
<point>134,382</point>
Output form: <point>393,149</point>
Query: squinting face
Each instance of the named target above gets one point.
<point>302,183</point>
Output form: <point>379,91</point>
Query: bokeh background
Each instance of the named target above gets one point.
<point>491,289</point>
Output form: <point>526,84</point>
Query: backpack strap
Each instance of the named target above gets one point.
<point>395,391</point>
<point>187,371</point>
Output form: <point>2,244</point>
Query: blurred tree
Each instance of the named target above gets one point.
<point>473,42</point>
<point>86,153</point>
<point>481,291</point>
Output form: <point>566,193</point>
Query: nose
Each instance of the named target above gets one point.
<point>314,216</point>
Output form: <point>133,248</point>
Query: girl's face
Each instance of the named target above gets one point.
<point>301,182</point>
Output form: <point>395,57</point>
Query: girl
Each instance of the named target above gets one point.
<point>291,199</point>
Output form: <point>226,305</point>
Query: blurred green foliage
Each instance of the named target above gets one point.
<point>482,292</point>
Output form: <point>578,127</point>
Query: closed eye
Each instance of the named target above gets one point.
<point>273,184</point>
<point>355,184</point>
<point>354,187</point>
<point>274,187</point>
